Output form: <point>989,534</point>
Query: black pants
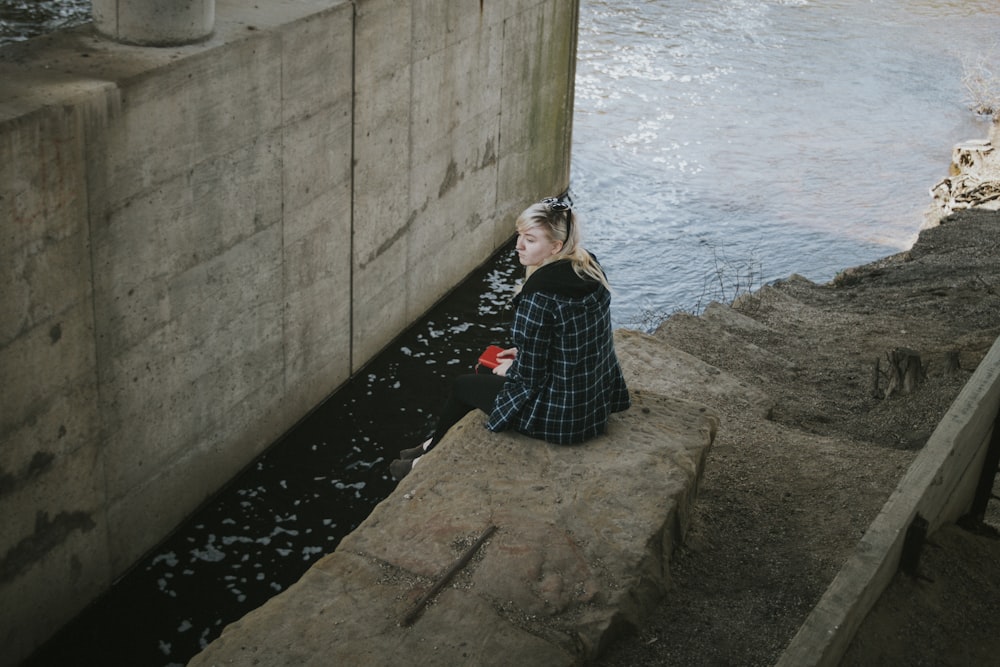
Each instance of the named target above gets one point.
<point>467,393</point>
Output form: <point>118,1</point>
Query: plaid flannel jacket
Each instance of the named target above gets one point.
<point>565,380</point>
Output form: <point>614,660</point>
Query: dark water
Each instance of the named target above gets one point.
<point>297,501</point>
<point>747,139</point>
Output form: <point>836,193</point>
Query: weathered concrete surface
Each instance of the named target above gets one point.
<point>201,243</point>
<point>582,548</point>
<point>154,22</point>
<point>463,115</point>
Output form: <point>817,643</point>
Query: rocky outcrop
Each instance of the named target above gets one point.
<point>973,179</point>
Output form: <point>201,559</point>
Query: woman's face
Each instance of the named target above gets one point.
<point>534,247</point>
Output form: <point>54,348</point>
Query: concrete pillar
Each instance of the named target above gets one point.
<point>154,22</point>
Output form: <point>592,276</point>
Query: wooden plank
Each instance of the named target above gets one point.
<point>939,485</point>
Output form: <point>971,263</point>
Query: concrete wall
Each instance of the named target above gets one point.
<point>488,121</point>
<point>199,244</point>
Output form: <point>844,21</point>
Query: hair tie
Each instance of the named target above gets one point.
<point>559,204</point>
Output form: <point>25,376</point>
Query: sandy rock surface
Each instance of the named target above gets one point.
<point>543,553</point>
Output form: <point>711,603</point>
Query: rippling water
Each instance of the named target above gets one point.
<point>778,136</point>
<point>744,138</point>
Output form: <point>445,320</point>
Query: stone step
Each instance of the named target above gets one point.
<point>756,358</point>
<point>652,364</point>
<point>795,316</point>
<point>581,549</point>
<point>782,312</point>
<point>733,321</point>
<point>805,291</point>
<point>805,321</point>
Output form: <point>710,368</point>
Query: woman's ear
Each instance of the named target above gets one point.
<point>557,247</point>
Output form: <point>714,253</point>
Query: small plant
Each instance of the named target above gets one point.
<point>981,78</point>
<point>736,279</point>
<point>730,282</point>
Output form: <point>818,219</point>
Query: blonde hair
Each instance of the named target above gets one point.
<point>557,221</point>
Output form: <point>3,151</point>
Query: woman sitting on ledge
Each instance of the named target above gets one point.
<point>561,379</point>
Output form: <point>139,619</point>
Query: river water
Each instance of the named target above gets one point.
<point>760,138</point>
<point>718,145</point>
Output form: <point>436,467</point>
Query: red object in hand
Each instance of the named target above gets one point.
<point>489,357</point>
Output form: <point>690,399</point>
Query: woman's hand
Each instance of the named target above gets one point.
<point>506,358</point>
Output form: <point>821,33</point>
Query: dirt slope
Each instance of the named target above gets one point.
<point>784,500</point>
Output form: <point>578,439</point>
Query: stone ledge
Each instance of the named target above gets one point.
<point>581,550</point>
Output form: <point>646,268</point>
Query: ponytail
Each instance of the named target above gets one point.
<point>555,216</point>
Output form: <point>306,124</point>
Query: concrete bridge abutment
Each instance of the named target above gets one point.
<point>200,243</point>
<point>154,22</point>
